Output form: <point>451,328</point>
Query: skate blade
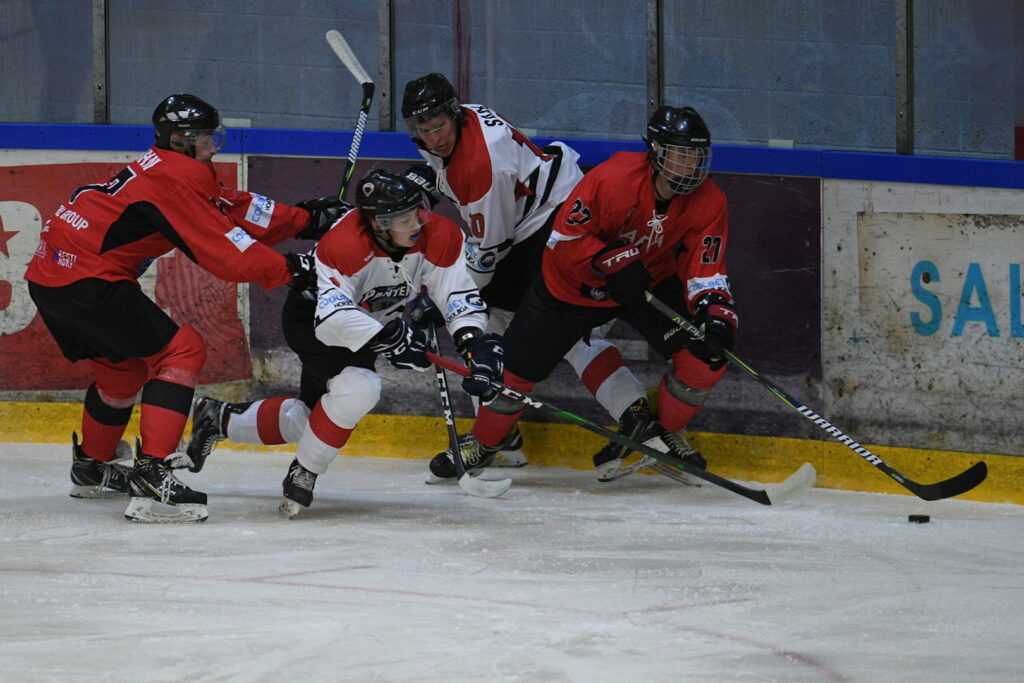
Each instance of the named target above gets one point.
<point>288,509</point>
<point>79,491</point>
<point>672,473</point>
<point>616,469</point>
<point>508,459</point>
<point>141,510</point>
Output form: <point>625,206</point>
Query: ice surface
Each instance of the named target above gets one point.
<point>562,579</point>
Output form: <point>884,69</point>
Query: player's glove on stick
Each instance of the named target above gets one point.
<point>426,179</point>
<point>425,313</point>
<point>626,276</point>
<point>717,319</point>
<point>303,271</point>
<point>323,213</point>
<point>483,355</point>
<point>404,346</point>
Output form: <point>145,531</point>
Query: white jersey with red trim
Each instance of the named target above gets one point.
<point>504,186</point>
<point>360,287</point>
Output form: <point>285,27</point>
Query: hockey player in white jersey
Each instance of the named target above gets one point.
<point>507,190</point>
<point>368,266</point>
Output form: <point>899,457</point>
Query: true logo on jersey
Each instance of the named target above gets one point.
<point>261,209</point>
<point>240,238</point>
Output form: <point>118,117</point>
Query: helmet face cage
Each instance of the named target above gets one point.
<point>679,146</point>
<point>449,108</point>
<point>683,167</point>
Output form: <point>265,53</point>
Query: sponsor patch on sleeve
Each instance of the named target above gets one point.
<point>240,238</point>
<point>261,209</point>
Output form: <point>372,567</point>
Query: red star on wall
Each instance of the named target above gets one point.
<point>5,236</point>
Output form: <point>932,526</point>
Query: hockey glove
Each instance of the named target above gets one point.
<point>424,313</point>
<point>323,213</point>
<point>718,320</point>
<point>404,346</point>
<point>426,179</point>
<point>626,275</point>
<point>303,271</point>
<point>483,356</point>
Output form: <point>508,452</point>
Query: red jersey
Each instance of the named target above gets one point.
<point>161,201</point>
<point>615,201</point>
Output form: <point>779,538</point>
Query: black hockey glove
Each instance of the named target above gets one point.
<point>716,317</point>
<point>426,178</point>
<point>483,356</point>
<point>303,270</point>
<point>323,213</point>
<point>404,346</point>
<point>424,313</point>
<point>626,276</point>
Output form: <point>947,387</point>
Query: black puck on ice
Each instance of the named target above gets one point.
<point>919,519</point>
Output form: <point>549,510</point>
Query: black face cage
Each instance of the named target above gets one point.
<point>683,168</point>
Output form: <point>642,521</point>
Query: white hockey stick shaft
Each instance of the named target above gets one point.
<point>341,48</point>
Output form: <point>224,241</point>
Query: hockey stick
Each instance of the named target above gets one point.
<point>954,486</point>
<point>770,495</point>
<point>482,488</point>
<point>344,52</point>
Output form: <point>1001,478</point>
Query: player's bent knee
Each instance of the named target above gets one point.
<point>182,359</point>
<point>351,394</point>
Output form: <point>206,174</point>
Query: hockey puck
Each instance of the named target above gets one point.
<point>919,519</point>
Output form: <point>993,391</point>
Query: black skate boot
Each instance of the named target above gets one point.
<point>298,490</point>
<point>91,478</point>
<point>676,444</point>
<point>208,429</point>
<point>475,456</point>
<point>611,462</point>
<point>153,481</point>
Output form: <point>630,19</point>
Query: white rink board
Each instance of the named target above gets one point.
<point>922,338</point>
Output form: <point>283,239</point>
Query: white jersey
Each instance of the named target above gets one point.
<point>360,288</point>
<point>504,186</point>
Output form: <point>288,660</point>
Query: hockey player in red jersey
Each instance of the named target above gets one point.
<point>508,191</point>
<point>369,265</point>
<point>84,281</point>
<point>636,222</point>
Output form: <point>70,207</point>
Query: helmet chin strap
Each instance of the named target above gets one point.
<point>387,243</point>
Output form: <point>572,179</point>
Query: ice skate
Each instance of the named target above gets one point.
<point>298,490</point>
<point>207,430</point>
<point>475,456</point>
<point>153,481</point>
<point>91,478</point>
<point>616,460</point>
<point>677,445</point>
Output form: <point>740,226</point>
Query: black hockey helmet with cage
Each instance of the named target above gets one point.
<point>384,193</point>
<point>185,113</point>
<point>680,130</point>
<point>427,97</point>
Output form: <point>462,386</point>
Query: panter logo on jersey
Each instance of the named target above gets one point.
<point>578,213</point>
<point>385,297</point>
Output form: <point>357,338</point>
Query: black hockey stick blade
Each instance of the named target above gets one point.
<point>954,486</point>
<point>474,486</point>
<point>762,496</point>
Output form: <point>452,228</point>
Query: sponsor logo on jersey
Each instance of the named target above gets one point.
<point>717,282</point>
<point>261,209</point>
<point>64,258</point>
<point>334,299</point>
<point>72,218</point>
<point>240,238</point>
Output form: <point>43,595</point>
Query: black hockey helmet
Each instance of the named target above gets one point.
<point>427,97</point>
<point>385,193</point>
<point>679,145</point>
<point>188,114</point>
